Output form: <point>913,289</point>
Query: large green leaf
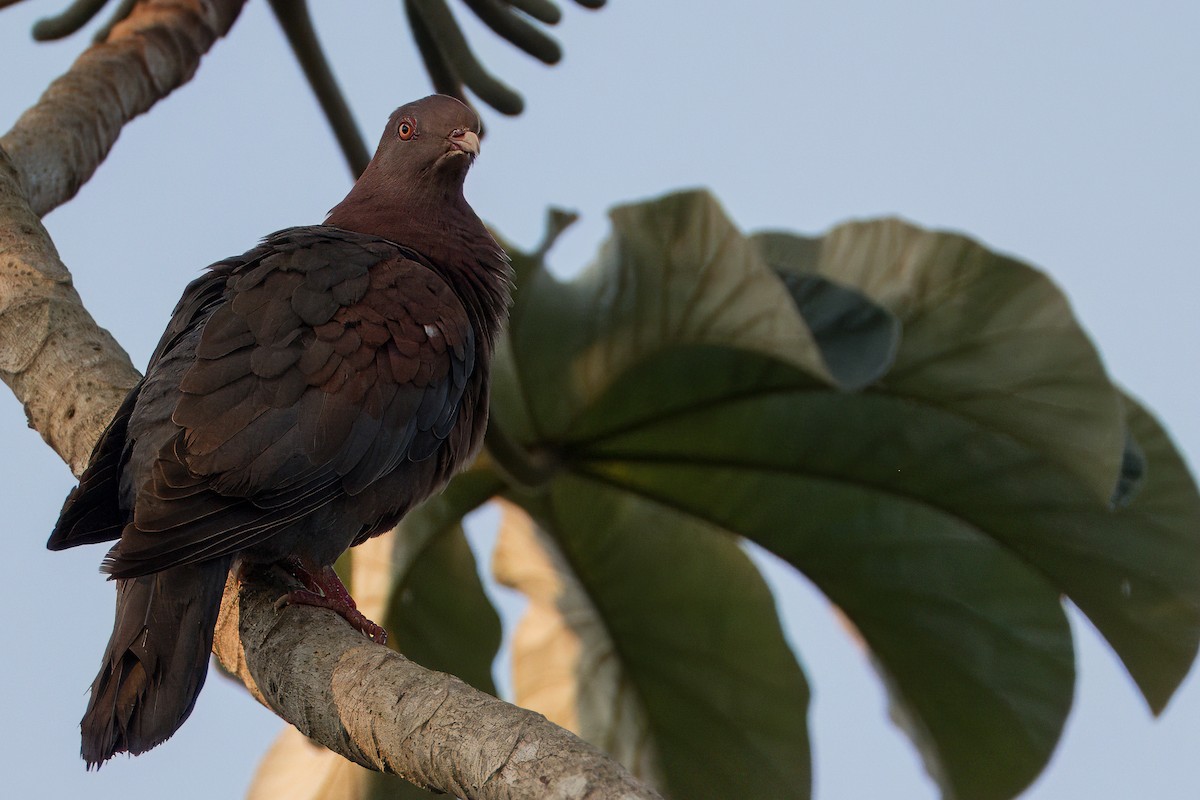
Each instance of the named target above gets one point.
<point>985,337</point>
<point>438,614</point>
<point>950,567</point>
<point>564,661</point>
<point>858,338</point>
<point>658,640</point>
<point>974,641</point>
<point>946,509</point>
<point>674,271</point>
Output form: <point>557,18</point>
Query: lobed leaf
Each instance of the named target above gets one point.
<point>988,469</point>
<point>438,614</point>
<point>985,336</point>
<point>675,271</point>
<point>663,647</point>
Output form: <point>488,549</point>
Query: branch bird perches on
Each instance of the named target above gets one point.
<point>70,375</point>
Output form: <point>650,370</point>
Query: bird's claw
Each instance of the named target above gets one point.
<point>356,618</point>
<point>325,590</point>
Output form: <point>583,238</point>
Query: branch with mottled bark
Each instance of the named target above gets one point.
<point>360,700</point>
<point>70,373</point>
<point>378,709</point>
<point>58,143</point>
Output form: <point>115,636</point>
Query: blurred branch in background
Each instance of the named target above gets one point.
<point>448,57</point>
<point>297,26</point>
<point>72,19</point>
<point>452,66</point>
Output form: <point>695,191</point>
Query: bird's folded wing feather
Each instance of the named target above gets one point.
<point>333,359</point>
<point>92,512</point>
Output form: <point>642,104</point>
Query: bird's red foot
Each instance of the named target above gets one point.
<point>326,590</point>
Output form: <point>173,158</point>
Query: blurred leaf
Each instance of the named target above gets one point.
<point>1170,500</point>
<point>857,337</point>
<point>946,545</point>
<point>296,768</point>
<point>675,271</point>
<point>438,614</point>
<point>564,662</point>
<point>975,641</point>
<point>946,510</point>
<point>1133,472</point>
<point>657,640</point>
<point>1141,585</point>
<point>984,334</point>
<point>448,57</point>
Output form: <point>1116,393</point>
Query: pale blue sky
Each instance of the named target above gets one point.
<point>1063,133</point>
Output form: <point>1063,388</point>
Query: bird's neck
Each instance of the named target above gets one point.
<point>447,232</point>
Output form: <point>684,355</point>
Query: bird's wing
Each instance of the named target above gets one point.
<point>93,511</point>
<point>332,360</point>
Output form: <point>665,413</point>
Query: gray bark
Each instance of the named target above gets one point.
<point>385,712</point>
<point>70,373</point>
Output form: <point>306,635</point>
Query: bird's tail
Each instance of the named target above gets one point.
<point>156,660</point>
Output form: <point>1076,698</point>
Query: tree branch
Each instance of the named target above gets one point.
<point>70,373</point>
<point>378,709</point>
<point>297,26</point>
<point>58,143</point>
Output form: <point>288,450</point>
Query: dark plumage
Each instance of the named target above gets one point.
<point>304,396</point>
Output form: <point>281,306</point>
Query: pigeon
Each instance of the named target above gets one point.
<point>304,397</point>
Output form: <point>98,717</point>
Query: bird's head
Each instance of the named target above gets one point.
<point>434,139</point>
<point>413,187</point>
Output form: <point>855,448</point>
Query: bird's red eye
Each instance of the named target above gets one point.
<point>406,130</point>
